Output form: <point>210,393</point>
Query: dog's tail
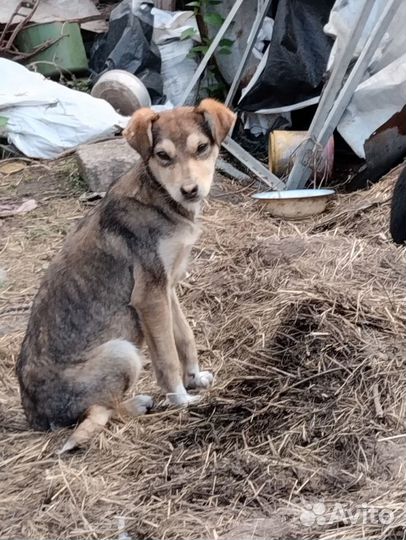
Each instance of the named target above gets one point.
<point>96,418</point>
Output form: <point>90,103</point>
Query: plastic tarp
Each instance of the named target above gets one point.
<point>45,118</point>
<point>128,45</point>
<point>291,71</point>
<point>177,67</point>
<point>341,21</point>
<point>382,93</point>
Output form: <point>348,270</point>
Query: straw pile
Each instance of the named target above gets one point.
<point>302,323</point>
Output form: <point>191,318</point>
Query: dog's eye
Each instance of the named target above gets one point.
<point>163,155</point>
<point>201,149</point>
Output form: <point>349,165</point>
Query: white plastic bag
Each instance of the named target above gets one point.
<point>45,118</point>
<point>177,67</point>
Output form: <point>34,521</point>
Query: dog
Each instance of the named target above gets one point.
<point>397,224</point>
<point>113,284</point>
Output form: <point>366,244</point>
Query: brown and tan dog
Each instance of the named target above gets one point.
<point>113,283</point>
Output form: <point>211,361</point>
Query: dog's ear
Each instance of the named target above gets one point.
<point>219,118</point>
<point>138,133</point>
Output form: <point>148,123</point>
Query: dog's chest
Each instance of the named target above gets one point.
<point>174,252</point>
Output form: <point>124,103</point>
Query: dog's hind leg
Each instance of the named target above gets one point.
<point>100,383</point>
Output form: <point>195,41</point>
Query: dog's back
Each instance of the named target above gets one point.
<point>83,302</point>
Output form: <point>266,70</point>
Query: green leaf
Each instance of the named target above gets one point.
<point>192,54</point>
<point>225,50</point>
<point>3,121</point>
<point>188,33</point>
<point>200,48</point>
<point>226,42</point>
<point>214,19</point>
<point>214,2</point>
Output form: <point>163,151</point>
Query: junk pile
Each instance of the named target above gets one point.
<point>311,81</point>
<point>140,59</point>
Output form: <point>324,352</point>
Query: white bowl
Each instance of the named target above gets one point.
<point>123,90</point>
<point>295,203</point>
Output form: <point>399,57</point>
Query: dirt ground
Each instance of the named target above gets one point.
<point>302,435</point>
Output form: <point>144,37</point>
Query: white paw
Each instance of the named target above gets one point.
<point>181,399</point>
<point>139,405</point>
<point>203,379</point>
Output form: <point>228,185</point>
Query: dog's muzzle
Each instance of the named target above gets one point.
<point>190,192</point>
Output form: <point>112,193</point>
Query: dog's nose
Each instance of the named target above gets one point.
<point>190,191</point>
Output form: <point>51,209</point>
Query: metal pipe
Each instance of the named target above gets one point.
<point>213,46</point>
<point>248,49</point>
<point>301,169</point>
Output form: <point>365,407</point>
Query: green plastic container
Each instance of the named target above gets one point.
<point>67,54</point>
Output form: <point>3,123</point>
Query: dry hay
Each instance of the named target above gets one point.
<point>303,324</point>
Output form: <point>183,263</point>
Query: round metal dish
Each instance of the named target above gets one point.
<point>295,203</point>
<point>123,90</point>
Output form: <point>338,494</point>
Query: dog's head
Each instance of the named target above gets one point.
<point>180,146</point>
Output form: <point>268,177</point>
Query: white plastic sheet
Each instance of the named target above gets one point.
<point>382,93</point>
<point>341,21</point>
<point>375,100</point>
<point>45,118</point>
<point>177,67</point>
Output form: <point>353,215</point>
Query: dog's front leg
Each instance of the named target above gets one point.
<point>186,347</point>
<point>155,315</point>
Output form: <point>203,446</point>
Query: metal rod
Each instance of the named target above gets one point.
<point>229,144</point>
<point>246,159</point>
<point>213,46</point>
<point>358,71</point>
<point>301,169</point>
<point>261,14</point>
<point>253,164</point>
